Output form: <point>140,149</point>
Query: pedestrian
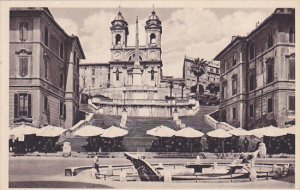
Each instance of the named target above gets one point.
<point>96,163</point>
<point>246,144</point>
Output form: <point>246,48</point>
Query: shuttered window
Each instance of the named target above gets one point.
<point>23,31</point>
<point>22,105</point>
<point>292,70</point>
<point>23,66</point>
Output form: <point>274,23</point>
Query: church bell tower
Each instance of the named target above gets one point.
<point>153,30</point>
<point>119,30</point>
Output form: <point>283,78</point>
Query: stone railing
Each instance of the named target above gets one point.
<point>140,102</point>
<point>210,121</point>
<point>92,106</point>
<point>77,126</point>
<point>216,124</point>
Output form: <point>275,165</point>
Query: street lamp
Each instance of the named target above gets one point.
<point>124,108</point>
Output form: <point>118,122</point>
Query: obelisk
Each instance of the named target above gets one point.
<point>137,72</point>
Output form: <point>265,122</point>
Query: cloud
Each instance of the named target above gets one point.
<point>69,25</point>
<point>192,32</point>
<point>200,33</point>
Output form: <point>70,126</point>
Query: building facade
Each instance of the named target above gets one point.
<point>93,76</point>
<point>44,70</point>
<point>258,74</point>
<point>212,73</point>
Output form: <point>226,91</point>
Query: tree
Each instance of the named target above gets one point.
<point>198,68</point>
<point>182,84</point>
<point>213,88</point>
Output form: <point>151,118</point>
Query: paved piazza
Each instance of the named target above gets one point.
<point>49,172</point>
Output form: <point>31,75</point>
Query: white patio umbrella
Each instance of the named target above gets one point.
<point>219,133</point>
<point>239,132</point>
<point>113,132</point>
<point>50,131</point>
<point>269,131</point>
<point>161,131</point>
<point>290,130</point>
<point>189,132</point>
<point>89,131</point>
<point>23,130</point>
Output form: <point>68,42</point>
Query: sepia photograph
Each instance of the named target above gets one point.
<point>149,95</point>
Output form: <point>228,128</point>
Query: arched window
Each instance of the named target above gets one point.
<point>118,39</point>
<point>152,38</point>
<point>132,58</point>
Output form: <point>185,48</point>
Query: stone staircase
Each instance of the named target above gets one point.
<point>137,139</point>
<point>85,108</point>
<point>197,121</point>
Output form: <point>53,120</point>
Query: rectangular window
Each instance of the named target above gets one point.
<point>251,110</point>
<point>46,106</point>
<point>93,71</point>
<point>270,105</point>
<point>270,40</point>
<point>46,37</point>
<point>224,116</point>
<point>93,81</point>
<point>291,35</point>
<point>234,85</point>
<point>46,68</point>
<point>233,113</point>
<point>23,66</point>
<point>218,71</point>
<point>61,78</point>
<point>23,31</point>
<point>65,111</point>
<point>211,70</point>
<point>61,109</point>
<point>292,103</point>
<point>224,90</point>
<point>252,81</point>
<point>292,70</point>
<point>22,105</point>
<point>270,73</point>
<point>23,108</point>
<point>75,58</point>
<point>251,51</point>
<point>234,59</point>
<point>61,50</point>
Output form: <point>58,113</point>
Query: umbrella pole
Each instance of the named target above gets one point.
<point>223,145</point>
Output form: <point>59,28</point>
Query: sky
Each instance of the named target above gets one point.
<point>194,32</point>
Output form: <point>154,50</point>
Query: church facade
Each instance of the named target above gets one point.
<point>118,71</point>
<point>133,77</point>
